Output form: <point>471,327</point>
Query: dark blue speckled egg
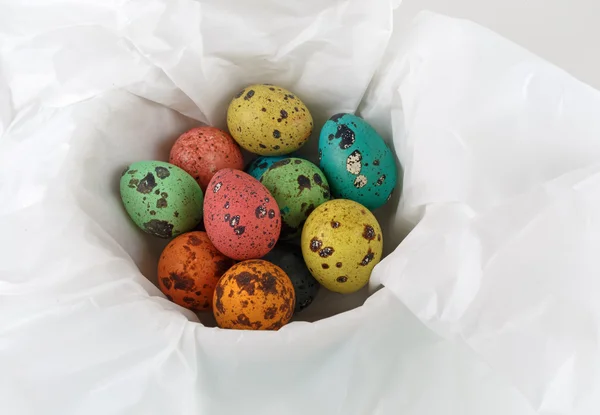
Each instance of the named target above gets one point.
<point>289,258</point>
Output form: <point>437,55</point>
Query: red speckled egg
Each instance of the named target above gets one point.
<point>203,151</point>
<point>241,217</point>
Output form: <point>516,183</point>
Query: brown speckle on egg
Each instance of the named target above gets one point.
<point>367,259</point>
<point>326,252</point>
<point>315,244</point>
<point>161,203</point>
<point>346,135</point>
<point>160,228</point>
<point>260,212</point>
<point>146,185</point>
<point>270,312</point>
<point>234,221</point>
<point>181,282</point>
<point>167,282</point>
<point>368,232</point>
<point>194,240</point>
<point>133,183</point>
<point>162,172</point>
<point>303,183</point>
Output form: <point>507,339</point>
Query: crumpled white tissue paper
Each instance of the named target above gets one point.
<point>488,306</point>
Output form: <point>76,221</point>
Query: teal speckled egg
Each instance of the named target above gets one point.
<point>162,199</point>
<point>299,187</point>
<point>261,164</point>
<point>357,162</point>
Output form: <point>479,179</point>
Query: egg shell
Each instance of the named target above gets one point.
<point>299,187</point>
<point>289,258</point>
<point>202,151</point>
<point>357,161</point>
<point>242,218</point>
<point>161,199</point>
<point>189,269</point>
<point>254,295</point>
<point>261,164</point>
<point>269,120</point>
<point>341,243</point>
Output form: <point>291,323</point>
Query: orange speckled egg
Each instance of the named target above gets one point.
<point>189,269</point>
<point>203,151</point>
<point>241,217</point>
<point>254,295</point>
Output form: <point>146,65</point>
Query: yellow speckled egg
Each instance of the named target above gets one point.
<point>341,243</point>
<point>269,120</point>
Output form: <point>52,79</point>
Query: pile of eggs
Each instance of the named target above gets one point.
<point>274,233</point>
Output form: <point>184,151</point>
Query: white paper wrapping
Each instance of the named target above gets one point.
<point>488,306</point>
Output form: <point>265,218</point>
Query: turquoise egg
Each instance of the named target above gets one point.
<point>261,164</point>
<point>357,162</point>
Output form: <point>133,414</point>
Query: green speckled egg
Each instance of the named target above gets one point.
<point>299,187</point>
<point>269,120</point>
<point>162,199</point>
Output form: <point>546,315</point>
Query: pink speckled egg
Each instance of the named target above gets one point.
<point>203,151</point>
<point>241,217</point>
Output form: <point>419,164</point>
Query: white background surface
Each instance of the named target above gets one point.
<point>564,32</point>
<point>498,146</point>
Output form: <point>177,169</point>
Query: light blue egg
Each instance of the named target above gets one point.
<point>358,164</point>
<point>261,164</point>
